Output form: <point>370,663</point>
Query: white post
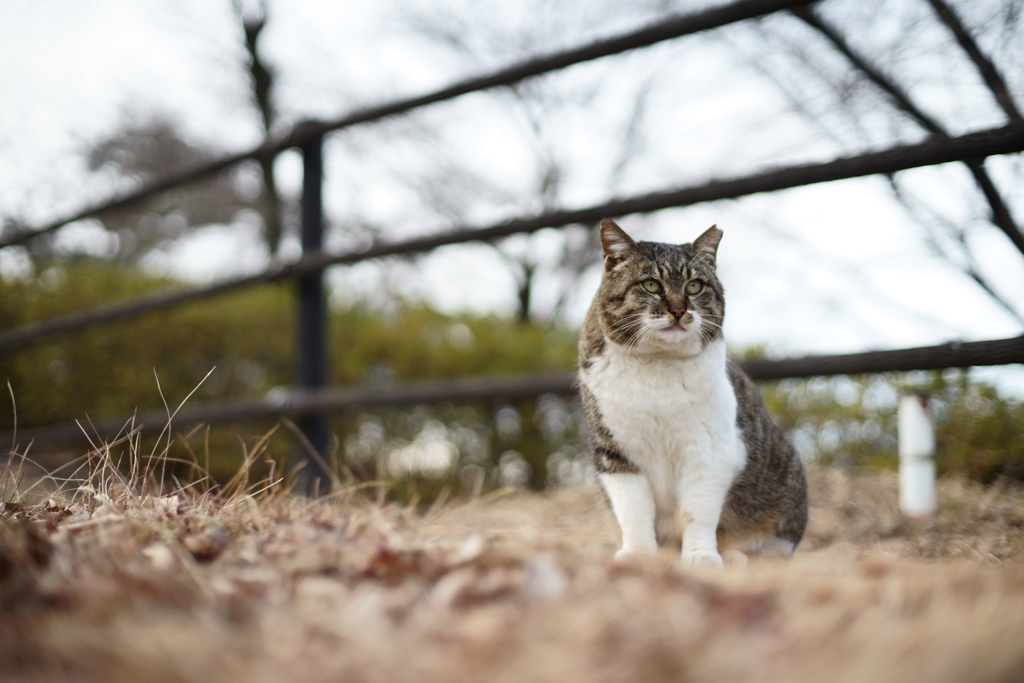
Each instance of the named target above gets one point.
<point>917,449</point>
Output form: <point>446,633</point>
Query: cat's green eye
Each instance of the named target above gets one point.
<point>694,286</point>
<point>652,286</point>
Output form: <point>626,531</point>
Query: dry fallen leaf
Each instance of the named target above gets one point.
<point>208,543</point>
<point>160,556</point>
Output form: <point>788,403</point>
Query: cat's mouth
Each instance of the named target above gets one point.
<point>675,325</point>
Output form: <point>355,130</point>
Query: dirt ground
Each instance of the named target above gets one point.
<point>509,587</point>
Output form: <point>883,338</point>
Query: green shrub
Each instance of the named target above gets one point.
<point>247,339</point>
<point>851,421</point>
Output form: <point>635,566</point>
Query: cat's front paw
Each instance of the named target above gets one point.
<point>629,553</point>
<point>702,559</point>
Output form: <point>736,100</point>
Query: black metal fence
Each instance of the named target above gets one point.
<point>310,403</point>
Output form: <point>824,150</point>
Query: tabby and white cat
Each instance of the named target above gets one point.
<point>682,442</point>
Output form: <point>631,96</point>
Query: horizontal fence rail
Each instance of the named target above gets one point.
<point>675,27</point>
<point>1006,140</point>
<point>293,404</point>
<point>951,355</point>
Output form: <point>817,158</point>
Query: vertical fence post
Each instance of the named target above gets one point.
<point>312,314</point>
<point>917,451</point>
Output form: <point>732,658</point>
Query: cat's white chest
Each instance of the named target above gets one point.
<point>669,416</point>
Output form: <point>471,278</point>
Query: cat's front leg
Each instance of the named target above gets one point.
<point>633,504</point>
<point>701,500</point>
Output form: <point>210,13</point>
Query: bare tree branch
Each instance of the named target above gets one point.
<point>970,267</point>
<point>789,87</point>
<point>480,36</point>
<point>262,82</point>
<point>1000,217</point>
<point>633,142</point>
<point>993,79</point>
<point>895,92</point>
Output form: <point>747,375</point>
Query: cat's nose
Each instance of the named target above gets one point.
<point>677,312</point>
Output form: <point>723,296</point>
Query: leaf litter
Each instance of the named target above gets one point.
<point>110,584</point>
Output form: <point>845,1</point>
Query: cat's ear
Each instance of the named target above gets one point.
<point>707,244</point>
<point>615,243</point>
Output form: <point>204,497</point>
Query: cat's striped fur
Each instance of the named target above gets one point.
<point>681,440</point>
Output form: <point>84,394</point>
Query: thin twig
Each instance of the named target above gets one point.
<point>170,417</point>
<point>971,268</point>
<point>1001,216</point>
<point>989,73</point>
<point>14,446</point>
<point>336,482</point>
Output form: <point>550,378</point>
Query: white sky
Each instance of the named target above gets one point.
<point>837,267</point>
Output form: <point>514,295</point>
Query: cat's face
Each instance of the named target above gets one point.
<point>659,298</point>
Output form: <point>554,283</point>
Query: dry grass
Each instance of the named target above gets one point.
<point>121,586</point>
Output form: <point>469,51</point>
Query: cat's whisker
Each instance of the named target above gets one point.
<point>703,337</point>
<point>634,341</point>
<point>633,326</point>
<point>636,344</point>
<point>626,326</point>
<point>632,333</point>
<point>631,320</point>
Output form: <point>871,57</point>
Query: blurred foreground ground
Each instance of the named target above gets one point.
<point>511,587</point>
